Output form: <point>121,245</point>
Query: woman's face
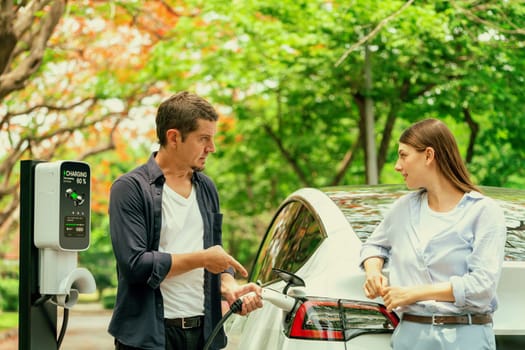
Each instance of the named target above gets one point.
<point>412,165</point>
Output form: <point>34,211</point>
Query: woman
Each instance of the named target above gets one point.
<point>444,246</point>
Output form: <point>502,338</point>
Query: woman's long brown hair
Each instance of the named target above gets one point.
<point>434,133</point>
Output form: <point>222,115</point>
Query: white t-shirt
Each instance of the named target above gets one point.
<point>432,222</point>
<point>182,232</point>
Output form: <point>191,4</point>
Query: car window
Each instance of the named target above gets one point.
<point>292,238</point>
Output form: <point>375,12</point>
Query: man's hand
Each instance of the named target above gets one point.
<point>251,293</point>
<point>217,260</point>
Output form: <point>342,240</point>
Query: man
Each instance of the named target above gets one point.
<point>165,226</point>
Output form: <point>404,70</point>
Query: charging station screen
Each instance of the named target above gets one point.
<point>74,205</point>
<point>75,226</point>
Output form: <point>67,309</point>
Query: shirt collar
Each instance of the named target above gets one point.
<point>474,195</point>
<point>154,171</point>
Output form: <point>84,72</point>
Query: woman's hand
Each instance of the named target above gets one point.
<point>375,285</point>
<point>398,296</point>
<point>375,282</point>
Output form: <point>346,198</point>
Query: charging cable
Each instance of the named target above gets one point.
<point>44,299</point>
<point>236,307</point>
<point>282,301</point>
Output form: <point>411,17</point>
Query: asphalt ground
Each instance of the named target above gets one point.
<point>87,330</point>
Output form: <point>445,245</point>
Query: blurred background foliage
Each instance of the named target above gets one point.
<point>82,80</point>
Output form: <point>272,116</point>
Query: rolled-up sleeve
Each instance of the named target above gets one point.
<point>380,242</point>
<point>477,288</point>
<point>377,245</point>
<point>129,224</point>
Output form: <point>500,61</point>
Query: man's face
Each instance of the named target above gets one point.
<point>198,145</point>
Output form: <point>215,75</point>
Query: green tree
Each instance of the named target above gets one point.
<point>68,87</point>
<point>287,77</point>
<point>299,116</point>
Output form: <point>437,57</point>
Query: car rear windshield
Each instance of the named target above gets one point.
<point>364,208</point>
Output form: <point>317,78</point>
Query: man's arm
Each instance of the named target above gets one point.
<point>213,259</point>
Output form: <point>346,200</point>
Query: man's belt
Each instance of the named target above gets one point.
<point>449,319</point>
<point>185,322</point>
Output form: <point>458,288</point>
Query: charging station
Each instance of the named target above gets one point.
<point>55,223</point>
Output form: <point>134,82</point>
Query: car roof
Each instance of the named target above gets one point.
<point>364,206</point>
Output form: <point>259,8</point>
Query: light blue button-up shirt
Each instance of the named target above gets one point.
<point>469,254</point>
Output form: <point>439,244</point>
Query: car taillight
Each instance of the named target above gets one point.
<point>329,319</point>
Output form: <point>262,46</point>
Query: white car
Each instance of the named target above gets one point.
<point>309,257</point>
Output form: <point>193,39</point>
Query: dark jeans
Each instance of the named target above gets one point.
<point>120,346</point>
<point>184,339</point>
<point>176,339</point>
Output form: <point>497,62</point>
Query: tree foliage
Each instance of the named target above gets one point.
<point>80,96</point>
<point>82,80</point>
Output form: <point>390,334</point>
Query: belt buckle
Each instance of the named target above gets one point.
<point>183,324</point>
<point>435,323</point>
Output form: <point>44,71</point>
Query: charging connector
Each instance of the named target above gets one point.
<point>282,301</point>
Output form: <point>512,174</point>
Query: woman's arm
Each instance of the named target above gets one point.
<point>400,296</point>
<point>375,282</point>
